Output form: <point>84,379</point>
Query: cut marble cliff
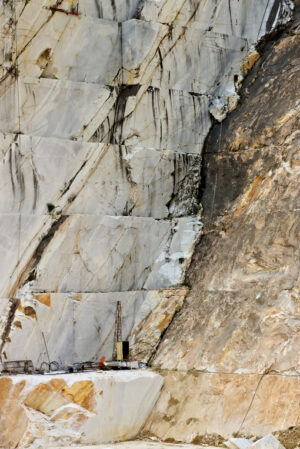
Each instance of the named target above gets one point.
<point>103,116</point>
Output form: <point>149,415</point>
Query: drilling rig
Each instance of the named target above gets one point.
<point>121,348</point>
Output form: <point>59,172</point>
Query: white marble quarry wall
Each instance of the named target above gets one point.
<point>78,326</point>
<point>90,253</point>
<point>182,58</point>
<point>110,179</point>
<point>104,109</point>
<point>244,18</point>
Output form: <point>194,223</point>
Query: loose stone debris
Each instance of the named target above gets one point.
<point>267,442</point>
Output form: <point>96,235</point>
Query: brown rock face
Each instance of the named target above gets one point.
<point>206,408</point>
<point>146,337</point>
<point>242,317</point>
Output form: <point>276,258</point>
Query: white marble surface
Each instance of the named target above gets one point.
<point>91,254</point>
<point>157,118</point>
<point>181,58</point>
<point>151,118</point>
<point>118,10</point>
<point>243,18</point>
<point>68,47</point>
<point>53,108</point>
<point>76,326</point>
<point>99,178</point>
<point>19,235</point>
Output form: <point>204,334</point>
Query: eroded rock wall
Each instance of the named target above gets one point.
<point>231,355</point>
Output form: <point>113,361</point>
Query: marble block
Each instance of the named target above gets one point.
<point>71,409</point>
<point>157,118</point>
<point>130,115</point>
<point>53,108</point>
<point>91,254</point>
<point>181,58</point>
<point>36,173</point>
<point>243,18</point>
<point>70,47</point>
<point>118,10</point>
<point>19,235</point>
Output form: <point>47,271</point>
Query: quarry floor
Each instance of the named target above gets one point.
<point>139,445</point>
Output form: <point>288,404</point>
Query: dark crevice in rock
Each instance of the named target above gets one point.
<point>14,303</point>
<point>43,245</point>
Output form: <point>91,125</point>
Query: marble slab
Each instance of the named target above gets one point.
<point>243,18</point>
<point>91,254</point>
<point>118,10</point>
<point>69,47</point>
<point>181,58</point>
<point>56,45</point>
<point>97,179</point>
<point>76,326</point>
<point>53,108</point>
<point>88,253</point>
<point>157,118</point>
<point>133,115</point>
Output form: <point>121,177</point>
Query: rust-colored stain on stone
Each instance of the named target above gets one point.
<point>45,398</point>
<point>251,194</point>
<point>27,310</point>
<point>81,393</point>
<point>18,324</point>
<point>50,396</point>
<point>44,298</point>
<point>250,62</point>
<point>164,323</point>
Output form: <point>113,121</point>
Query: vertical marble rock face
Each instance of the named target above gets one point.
<point>80,326</point>
<point>118,10</point>
<point>157,118</point>
<point>89,254</point>
<point>97,178</point>
<point>181,58</point>
<point>45,107</point>
<point>86,50</point>
<point>243,18</point>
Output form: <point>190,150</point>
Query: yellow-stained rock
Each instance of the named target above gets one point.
<point>81,393</point>
<point>46,398</point>
<point>44,298</point>
<point>83,408</point>
<point>201,407</point>
<point>13,419</point>
<point>146,336</point>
